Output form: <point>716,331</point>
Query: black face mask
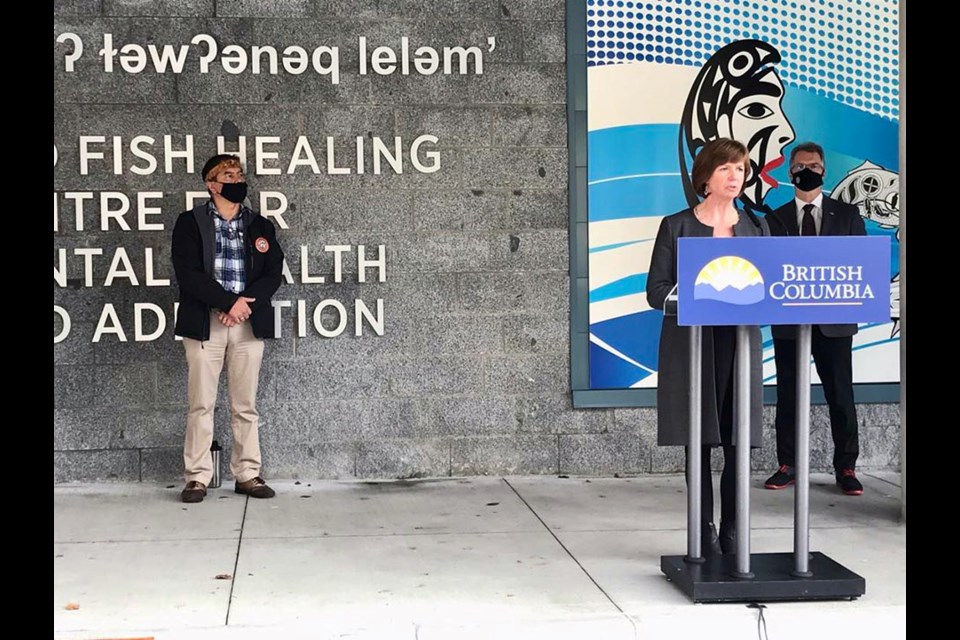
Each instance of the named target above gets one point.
<point>807,180</point>
<point>235,192</point>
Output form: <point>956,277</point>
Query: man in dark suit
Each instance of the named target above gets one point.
<point>812,213</point>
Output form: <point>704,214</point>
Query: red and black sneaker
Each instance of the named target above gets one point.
<point>783,478</point>
<point>848,483</point>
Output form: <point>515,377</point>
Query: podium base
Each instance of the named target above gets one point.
<point>773,579</point>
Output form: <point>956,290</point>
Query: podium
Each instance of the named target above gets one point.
<point>758,281</point>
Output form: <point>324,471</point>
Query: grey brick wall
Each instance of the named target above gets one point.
<point>472,374</point>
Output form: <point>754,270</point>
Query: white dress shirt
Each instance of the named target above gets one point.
<point>817,212</point>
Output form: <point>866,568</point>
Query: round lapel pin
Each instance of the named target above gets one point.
<point>261,244</point>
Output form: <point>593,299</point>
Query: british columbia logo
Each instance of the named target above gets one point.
<point>729,279</point>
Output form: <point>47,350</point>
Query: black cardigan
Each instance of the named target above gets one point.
<point>193,250</point>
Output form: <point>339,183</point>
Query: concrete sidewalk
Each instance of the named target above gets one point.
<point>453,558</point>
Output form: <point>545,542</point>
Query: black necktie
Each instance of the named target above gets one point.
<point>808,227</point>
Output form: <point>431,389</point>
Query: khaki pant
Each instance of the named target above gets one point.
<point>242,352</point>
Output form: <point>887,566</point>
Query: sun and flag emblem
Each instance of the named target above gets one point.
<point>729,279</point>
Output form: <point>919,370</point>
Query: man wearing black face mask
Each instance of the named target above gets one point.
<point>228,264</point>
<point>814,214</point>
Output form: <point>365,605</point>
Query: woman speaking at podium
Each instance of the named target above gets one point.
<point>719,172</point>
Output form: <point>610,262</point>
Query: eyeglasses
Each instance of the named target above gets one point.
<point>230,229</point>
<point>816,167</point>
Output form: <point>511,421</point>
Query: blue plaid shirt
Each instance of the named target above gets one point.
<point>228,267</point>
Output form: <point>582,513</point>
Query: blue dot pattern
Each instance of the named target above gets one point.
<point>847,50</point>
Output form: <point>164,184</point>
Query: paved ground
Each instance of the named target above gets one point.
<point>461,558</point>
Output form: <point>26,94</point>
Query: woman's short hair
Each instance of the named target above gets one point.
<point>712,155</point>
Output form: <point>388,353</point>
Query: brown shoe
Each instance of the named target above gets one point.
<point>193,492</point>
<point>255,488</point>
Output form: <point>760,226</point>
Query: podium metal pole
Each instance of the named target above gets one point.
<point>801,504</point>
<point>694,495</point>
<point>741,412</point>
